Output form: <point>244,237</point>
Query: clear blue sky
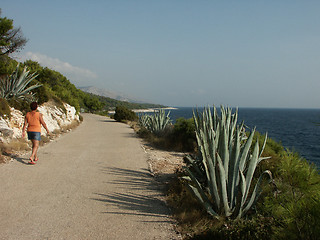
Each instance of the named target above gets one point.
<point>180,52</point>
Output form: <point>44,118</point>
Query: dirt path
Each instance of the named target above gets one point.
<point>92,183</point>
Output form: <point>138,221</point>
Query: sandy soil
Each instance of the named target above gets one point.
<point>92,183</point>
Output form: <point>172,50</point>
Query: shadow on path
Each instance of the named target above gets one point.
<point>108,120</point>
<point>21,159</point>
<point>133,179</point>
<point>135,204</point>
<point>138,200</point>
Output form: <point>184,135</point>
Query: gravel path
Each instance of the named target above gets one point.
<point>92,183</point>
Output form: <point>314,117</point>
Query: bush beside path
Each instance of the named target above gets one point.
<point>92,183</point>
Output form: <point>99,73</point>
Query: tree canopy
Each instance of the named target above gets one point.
<point>11,38</point>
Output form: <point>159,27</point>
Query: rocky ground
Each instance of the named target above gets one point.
<point>163,163</point>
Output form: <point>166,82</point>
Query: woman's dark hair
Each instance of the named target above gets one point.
<point>33,106</point>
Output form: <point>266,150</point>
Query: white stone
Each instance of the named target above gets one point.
<point>55,118</point>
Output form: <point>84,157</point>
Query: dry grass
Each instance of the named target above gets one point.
<point>44,140</point>
<point>71,126</point>
<point>15,145</point>
<point>134,125</point>
<point>2,159</point>
<point>7,150</point>
<point>192,219</point>
<point>66,128</point>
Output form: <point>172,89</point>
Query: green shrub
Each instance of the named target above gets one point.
<point>4,108</point>
<point>243,229</point>
<point>57,85</point>
<point>43,94</point>
<point>184,134</point>
<point>92,103</point>
<point>122,114</point>
<point>102,113</point>
<point>273,149</point>
<point>296,205</point>
<point>23,106</point>
<point>158,129</point>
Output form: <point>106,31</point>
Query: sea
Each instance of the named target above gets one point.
<point>296,129</point>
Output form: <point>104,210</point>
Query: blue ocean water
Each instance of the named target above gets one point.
<point>296,129</point>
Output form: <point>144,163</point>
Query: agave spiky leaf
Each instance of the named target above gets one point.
<point>157,123</point>
<point>16,87</point>
<point>144,120</point>
<point>228,167</point>
<point>255,193</point>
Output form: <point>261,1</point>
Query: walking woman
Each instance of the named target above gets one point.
<point>34,120</point>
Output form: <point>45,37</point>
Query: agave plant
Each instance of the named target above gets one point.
<point>157,123</point>
<point>144,120</point>
<point>15,86</point>
<point>221,177</point>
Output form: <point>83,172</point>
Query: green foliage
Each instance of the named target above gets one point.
<point>44,93</point>
<point>55,85</point>
<point>296,205</point>
<point>241,229</point>
<point>184,134</point>
<point>178,137</point>
<point>93,103</point>
<point>23,106</point>
<point>102,113</point>
<point>288,209</point>
<point>194,223</point>
<point>156,123</point>
<point>11,39</point>
<point>7,65</point>
<point>221,177</point>
<point>17,87</point>
<point>122,114</point>
<point>4,108</point>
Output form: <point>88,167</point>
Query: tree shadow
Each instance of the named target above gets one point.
<point>133,179</point>
<point>134,204</point>
<point>139,194</point>
<point>108,120</point>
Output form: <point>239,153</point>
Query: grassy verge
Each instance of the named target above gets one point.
<point>9,149</point>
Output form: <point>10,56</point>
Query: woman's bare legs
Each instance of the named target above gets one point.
<point>35,146</point>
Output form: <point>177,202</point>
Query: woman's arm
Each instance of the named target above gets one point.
<point>24,127</point>
<point>43,123</point>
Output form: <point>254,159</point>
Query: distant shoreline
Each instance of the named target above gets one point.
<point>147,110</point>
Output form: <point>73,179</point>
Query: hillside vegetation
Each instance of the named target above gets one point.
<point>21,83</point>
<point>56,86</point>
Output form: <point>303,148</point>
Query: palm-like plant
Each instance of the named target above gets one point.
<point>221,176</point>
<point>16,87</point>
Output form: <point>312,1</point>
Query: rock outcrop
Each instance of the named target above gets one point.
<point>56,119</point>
